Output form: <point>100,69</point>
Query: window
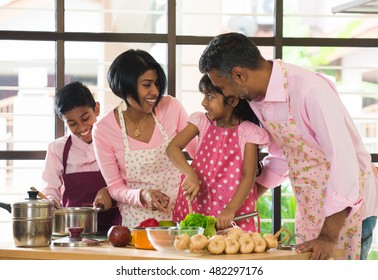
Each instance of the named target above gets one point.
<point>46,44</point>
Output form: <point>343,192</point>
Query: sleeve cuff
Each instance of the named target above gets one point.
<point>131,197</point>
<point>335,203</point>
<point>270,179</point>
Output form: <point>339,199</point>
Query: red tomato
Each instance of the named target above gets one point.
<point>149,223</point>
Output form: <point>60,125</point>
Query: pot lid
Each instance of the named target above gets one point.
<point>76,210</point>
<point>32,208</point>
<point>75,240</point>
<point>33,202</point>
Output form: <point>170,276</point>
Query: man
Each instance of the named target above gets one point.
<point>314,143</point>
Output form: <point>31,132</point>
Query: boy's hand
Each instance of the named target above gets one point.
<point>103,197</point>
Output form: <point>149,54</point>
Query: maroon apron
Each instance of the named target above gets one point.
<point>80,190</point>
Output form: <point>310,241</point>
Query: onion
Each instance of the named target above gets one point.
<point>182,241</point>
<point>216,244</point>
<point>198,242</point>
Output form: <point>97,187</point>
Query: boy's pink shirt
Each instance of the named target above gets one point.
<point>81,158</point>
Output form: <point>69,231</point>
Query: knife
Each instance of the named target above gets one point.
<point>246,216</point>
<point>238,218</point>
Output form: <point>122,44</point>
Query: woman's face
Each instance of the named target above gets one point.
<point>148,92</point>
<point>80,121</point>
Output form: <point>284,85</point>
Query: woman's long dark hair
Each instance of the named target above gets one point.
<point>242,111</point>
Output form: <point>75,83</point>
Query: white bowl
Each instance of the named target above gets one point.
<point>163,238</point>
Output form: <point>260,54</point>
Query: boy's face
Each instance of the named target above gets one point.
<point>80,121</point>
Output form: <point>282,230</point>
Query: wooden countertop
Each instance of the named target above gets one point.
<point>8,251</point>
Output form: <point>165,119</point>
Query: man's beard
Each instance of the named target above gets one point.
<point>243,93</point>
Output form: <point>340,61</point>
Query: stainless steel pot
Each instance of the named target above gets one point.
<point>32,221</point>
<point>73,217</point>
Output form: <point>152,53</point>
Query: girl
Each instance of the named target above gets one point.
<point>221,179</point>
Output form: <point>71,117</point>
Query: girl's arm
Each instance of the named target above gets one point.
<point>246,184</point>
<point>175,154</point>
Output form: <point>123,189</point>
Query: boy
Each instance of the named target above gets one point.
<point>71,176</point>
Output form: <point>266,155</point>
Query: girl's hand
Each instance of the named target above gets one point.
<point>225,218</point>
<point>103,197</point>
<point>154,199</point>
<point>190,186</point>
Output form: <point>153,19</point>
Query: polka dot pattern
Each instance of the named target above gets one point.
<point>220,173</point>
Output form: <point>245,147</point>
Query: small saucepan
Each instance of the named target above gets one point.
<point>70,217</point>
<point>73,217</point>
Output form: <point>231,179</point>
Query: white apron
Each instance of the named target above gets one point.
<point>148,169</point>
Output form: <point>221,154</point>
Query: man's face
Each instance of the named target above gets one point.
<point>228,86</point>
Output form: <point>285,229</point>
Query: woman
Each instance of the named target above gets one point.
<point>130,141</point>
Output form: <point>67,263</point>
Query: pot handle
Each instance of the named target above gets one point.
<point>100,207</point>
<point>6,206</point>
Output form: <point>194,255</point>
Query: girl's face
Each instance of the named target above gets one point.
<point>80,121</point>
<point>216,106</point>
<point>148,92</point>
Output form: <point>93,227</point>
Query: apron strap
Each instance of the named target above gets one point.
<point>122,107</point>
<point>67,147</point>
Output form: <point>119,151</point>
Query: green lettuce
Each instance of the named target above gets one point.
<point>199,220</point>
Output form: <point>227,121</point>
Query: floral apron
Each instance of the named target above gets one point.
<point>308,173</point>
<point>80,189</point>
<point>150,169</point>
<point>218,164</point>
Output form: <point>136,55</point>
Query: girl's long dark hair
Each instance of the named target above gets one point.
<point>243,111</point>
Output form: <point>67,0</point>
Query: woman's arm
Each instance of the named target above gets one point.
<point>175,154</point>
<point>246,184</point>
<point>107,146</point>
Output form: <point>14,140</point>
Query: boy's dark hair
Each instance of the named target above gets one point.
<point>71,96</point>
<point>125,70</point>
<point>243,111</point>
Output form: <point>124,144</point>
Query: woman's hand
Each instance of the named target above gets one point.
<point>225,218</point>
<point>154,199</point>
<point>103,197</point>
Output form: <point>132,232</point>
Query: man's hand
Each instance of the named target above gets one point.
<point>323,246</point>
